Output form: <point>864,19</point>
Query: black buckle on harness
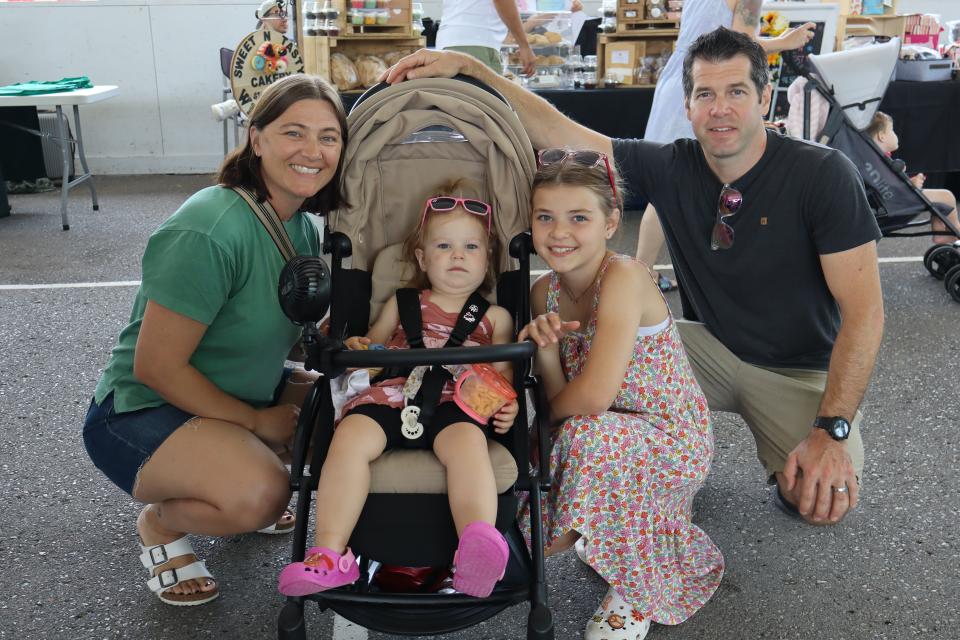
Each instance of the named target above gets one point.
<point>411,319</point>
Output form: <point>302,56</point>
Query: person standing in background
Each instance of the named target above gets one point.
<point>668,119</point>
<point>273,16</point>
<point>479,28</point>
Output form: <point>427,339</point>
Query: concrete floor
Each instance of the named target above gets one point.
<point>67,539</point>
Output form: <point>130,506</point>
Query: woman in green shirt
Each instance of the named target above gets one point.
<point>195,403</point>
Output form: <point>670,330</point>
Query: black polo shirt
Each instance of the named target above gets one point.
<point>765,298</point>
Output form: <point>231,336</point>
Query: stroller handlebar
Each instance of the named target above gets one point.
<point>426,357</point>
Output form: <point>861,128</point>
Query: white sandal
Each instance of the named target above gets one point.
<point>156,555</point>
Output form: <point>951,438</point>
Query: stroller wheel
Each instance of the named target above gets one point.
<point>952,282</point>
<point>939,259</point>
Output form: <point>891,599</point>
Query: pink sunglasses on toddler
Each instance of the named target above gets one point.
<point>446,204</point>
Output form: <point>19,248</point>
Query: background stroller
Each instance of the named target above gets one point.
<point>403,140</point>
<point>853,83</point>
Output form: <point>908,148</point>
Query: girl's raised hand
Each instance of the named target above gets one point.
<point>357,343</point>
<point>503,419</point>
<point>547,329</point>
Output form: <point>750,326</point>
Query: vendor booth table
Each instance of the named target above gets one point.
<point>59,101</point>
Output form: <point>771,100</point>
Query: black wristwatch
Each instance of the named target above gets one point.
<point>837,427</point>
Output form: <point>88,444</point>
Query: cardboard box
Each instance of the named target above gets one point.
<point>621,59</point>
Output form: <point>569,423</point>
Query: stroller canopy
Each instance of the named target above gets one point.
<point>858,78</point>
<point>408,139</point>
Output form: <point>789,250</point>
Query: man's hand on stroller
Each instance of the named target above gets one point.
<point>503,419</point>
<point>275,425</point>
<point>427,63</point>
<point>918,180</point>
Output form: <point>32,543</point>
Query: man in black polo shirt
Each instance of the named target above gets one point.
<point>774,246</point>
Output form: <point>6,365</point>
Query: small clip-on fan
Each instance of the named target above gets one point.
<point>304,291</point>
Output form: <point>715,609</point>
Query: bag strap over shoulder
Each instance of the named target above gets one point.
<point>271,222</point>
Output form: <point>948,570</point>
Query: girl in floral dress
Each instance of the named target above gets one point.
<point>452,249</point>
<point>633,440</point>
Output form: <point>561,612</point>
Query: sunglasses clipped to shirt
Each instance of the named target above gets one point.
<point>582,157</point>
<point>728,204</point>
<point>446,204</point>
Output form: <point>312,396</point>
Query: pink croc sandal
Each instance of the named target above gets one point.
<point>322,569</point>
<point>481,559</point>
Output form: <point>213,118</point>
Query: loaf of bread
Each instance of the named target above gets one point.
<point>343,73</point>
<point>369,70</point>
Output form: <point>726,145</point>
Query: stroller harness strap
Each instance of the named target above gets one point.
<point>271,222</point>
<point>411,319</point>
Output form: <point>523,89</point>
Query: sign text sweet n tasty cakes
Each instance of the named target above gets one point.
<point>261,58</point>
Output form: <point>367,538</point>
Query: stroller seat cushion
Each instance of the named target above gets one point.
<point>419,471</point>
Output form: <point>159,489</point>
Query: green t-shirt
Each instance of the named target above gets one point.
<point>213,261</point>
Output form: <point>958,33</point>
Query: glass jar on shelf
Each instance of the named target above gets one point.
<point>416,16</point>
<point>329,19</point>
<point>311,19</point>
<point>589,72</point>
<point>571,65</point>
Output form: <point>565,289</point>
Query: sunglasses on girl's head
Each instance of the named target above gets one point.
<point>582,157</point>
<point>445,204</point>
<point>727,205</point>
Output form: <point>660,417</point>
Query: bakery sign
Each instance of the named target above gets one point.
<point>261,58</point>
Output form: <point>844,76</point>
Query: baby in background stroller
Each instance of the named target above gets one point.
<point>453,251</point>
<point>881,131</point>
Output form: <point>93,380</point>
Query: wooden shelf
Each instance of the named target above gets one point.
<point>316,50</point>
<point>887,25</point>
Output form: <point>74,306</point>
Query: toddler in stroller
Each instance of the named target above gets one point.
<point>881,131</point>
<point>852,83</point>
<point>452,249</point>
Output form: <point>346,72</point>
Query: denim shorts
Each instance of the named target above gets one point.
<point>120,443</point>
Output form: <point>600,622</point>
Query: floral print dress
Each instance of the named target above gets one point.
<point>625,478</point>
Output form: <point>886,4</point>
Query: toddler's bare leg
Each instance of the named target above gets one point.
<point>462,449</point>
<point>345,479</point>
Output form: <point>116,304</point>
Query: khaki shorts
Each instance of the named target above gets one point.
<point>486,55</point>
<point>779,405</point>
